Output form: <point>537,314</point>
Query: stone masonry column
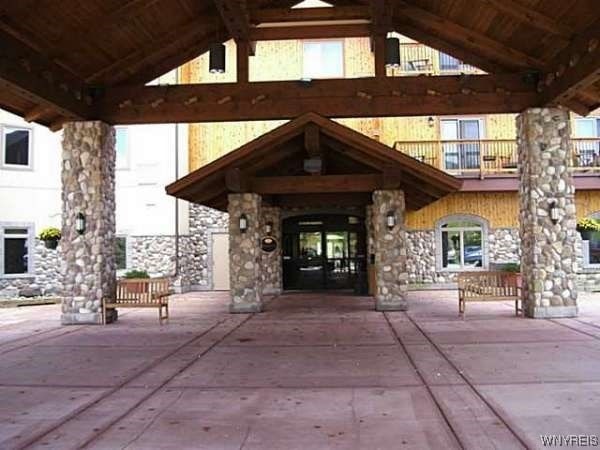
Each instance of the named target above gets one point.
<point>390,251</point>
<point>88,187</point>
<point>271,264</point>
<point>244,254</point>
<point>548,261</point>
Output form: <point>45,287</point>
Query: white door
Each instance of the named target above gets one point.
<point>220,261</point>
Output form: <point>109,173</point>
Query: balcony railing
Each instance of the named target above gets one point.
<point>419,59</point>
<point>484,157</point>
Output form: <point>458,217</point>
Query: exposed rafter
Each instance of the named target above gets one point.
<point>577,68</point>
<point>286,15</point>
<point>235,17</point>
<point>364,97</point>
<point>34,77</point>
<point>466,38</point>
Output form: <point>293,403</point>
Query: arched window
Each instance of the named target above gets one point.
<point>461,243</point>
<point>589,229</point>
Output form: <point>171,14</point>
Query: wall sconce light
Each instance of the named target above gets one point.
<point>216,58</point>
<point>392,52</point>
<point>554,212</point>
<point>431,122</point>
<point>80,223</point>
<point>243,223</point>
<point>390,220</point>
<point>269,228</point>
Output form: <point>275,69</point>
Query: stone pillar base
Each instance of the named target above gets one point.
<point>272,291</point>
<point>395,305</point>
<point>88,318</point>
<point>245,308</point>
<point>552,312</point>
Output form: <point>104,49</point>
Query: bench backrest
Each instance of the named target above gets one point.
<point>142,289</point>
<point>493,283</point>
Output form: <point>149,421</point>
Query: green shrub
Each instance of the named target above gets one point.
<point>50,234</point>
<point>586,224</point>
<point>512,267</point>
<point>136,274</point>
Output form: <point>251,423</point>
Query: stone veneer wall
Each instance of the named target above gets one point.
<point>390,251</point>
<point>88,186</point>
<point>45,280</point>
<point>271,264</point>
<point>548,262</point>
<point>244,254</point>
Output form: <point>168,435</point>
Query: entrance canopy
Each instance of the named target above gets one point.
<point>314,161</point>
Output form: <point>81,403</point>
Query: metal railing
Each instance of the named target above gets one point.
<point>417,58</point>
<point>485,157</point>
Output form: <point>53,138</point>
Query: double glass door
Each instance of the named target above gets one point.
<point>322,259</point>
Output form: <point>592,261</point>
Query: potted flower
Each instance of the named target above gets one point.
<point>50,236</point>
<point>587,226</point>
<point>515,269</point>
<point>131,286</point>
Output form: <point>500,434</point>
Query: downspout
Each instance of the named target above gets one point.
<point>176,178</point>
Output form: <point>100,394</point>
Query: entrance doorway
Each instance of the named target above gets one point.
<point>324,252</point>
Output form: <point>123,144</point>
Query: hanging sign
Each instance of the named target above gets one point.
<point>268,244</point>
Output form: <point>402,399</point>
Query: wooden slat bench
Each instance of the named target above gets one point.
<point>141,293</point>
<point>488,287</point>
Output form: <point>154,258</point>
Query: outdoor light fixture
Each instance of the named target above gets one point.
<point>554,212</point>
<point>431,122</point>
<point>269,228</point>
<point>216,58</point>
<point>80,223</point>
<point>390,220</point>
<point>392,52</point>
<point>243,223</point>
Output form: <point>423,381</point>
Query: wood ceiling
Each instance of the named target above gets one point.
<point>72,60</point>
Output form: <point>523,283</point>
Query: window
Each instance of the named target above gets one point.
<point>449,63</point>
<point>122,147</point>
<point>465,154</point>
<point>323,59</point>
<point>16,143</point>
<point>121,252</point>
<point>460,242</point>
<point>15,250</point>
<point>590,235</point>
<point>587,144</point>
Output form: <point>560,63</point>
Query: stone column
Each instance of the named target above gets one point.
<point>548,261</point>
<point>244,254</point>
<point>88,187</point>
<point>390,251</point>
<point>271,264</point>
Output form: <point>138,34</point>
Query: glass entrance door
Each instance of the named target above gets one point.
<point>310,262</point>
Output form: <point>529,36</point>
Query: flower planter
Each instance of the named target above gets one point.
<point>51,243</point>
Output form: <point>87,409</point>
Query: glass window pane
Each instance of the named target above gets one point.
<point>472,249</point>
<point>310,244</point>
<point>323,59</point>
<point>451,250</point>
<point>121,252</point>
<point>448,62</point>
<point>15,255</point>
<point>461,224</point>
<point>13,231</point>
<point>585,128</point>
<point>594,240</point>
<point>16,143</point>
<point>122,147</point>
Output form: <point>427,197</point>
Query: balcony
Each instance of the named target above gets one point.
<point>492,157</point>
<point>418,59</point>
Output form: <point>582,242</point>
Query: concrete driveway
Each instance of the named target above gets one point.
<point>315,371</point>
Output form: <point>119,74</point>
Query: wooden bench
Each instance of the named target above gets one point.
<point>141,293</point>
<point>488,287</point>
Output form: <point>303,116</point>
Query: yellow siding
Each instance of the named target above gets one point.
<point>501,209</point>
<point>587,203</point>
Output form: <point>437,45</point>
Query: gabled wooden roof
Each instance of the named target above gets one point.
<point>59,59</point>
<point>353,167</point>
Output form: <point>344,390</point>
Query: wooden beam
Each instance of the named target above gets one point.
<point>242,54</point>
<point>379,53</point>
<point>314,184</point>
<point>309,32</point>
<point>531,17</point>
<point>236,181</point>
<point>328,200</point>
<point>312,142</point>
<point>32,76</point>
<point>466,37</point>
<point>361,97</point>
<point>577,67</point>
<point>286,15</point>
<point>235,17</point>
<point>36,113</point>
